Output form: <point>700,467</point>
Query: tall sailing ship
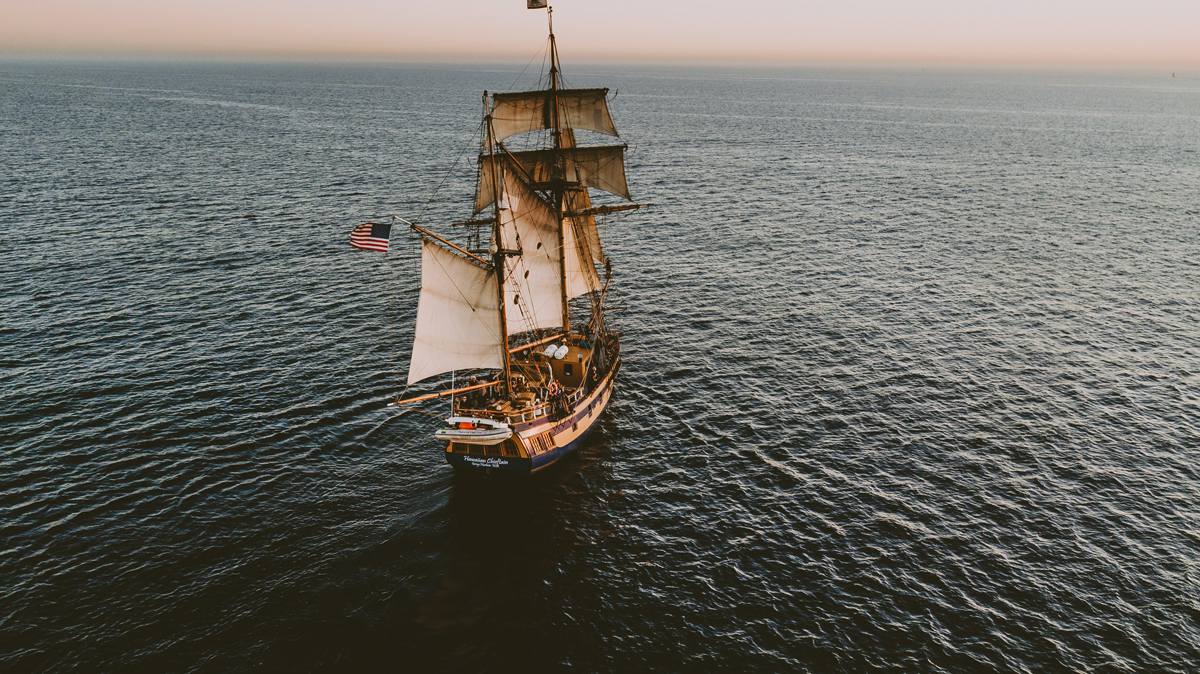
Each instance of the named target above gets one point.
<point>534,384</point>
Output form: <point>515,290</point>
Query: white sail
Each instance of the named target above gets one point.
<point>527,111</point>
<point>487,184</point>
<point>458,316</point>
<point>575,201</point>
<point>584,226</point>
<point>532,289</point>
<point>601,167</point>
<point>581,277</point>
<point>589,236</point>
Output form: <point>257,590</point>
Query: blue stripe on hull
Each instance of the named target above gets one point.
<point>550,456</point>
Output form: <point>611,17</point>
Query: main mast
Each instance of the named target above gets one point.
<point>559,176</point>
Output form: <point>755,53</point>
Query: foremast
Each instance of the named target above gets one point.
<point>498,251</point>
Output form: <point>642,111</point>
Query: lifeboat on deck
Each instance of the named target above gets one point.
<point>474,431</point>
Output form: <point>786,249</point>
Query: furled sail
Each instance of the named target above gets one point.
<point>532,290</point>
<point>601,167</point>
<point>458,316</point>
<point>526,111</point>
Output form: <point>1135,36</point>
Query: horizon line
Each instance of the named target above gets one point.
<point>868,61</point>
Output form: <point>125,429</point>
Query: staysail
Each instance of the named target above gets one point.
<point>458,316</point>
<point>578,235</point>
<point>576,200</point>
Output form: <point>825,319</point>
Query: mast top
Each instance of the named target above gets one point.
<point>553,48</point>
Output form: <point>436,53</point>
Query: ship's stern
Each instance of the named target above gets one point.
<point>507,457</point>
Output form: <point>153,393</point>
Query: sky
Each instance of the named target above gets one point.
<point>1149,33</point>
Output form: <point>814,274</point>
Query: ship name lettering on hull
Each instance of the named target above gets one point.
<point>489,462</point>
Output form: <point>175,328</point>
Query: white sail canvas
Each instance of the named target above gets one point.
<point>527,111</point>
<point>458,316</point>
<point>532,290</point>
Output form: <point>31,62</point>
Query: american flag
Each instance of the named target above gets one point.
<point>370,236</point>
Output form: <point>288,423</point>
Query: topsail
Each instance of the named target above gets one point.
<point>526,111</point>
<point>601,167</point>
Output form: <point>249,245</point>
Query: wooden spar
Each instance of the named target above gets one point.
<point>461,250</point>
<point>443,394</point>
<point>524,171</point>
<point>559,193</point>
<point>540,342</point>
<point>469,223</point>
<point>601,210</point>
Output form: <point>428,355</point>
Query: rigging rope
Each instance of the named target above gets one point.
<point>446,177</point>
<point>464,296</point>
<point>391,292</point>
<point>542,52</point>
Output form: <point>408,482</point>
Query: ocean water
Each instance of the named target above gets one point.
<point>911,378</point>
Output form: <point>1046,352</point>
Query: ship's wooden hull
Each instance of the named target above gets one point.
<point>540,442</point>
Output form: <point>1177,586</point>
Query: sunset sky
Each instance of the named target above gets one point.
<point>952,32</point>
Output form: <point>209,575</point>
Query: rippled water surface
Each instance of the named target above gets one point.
<point>911,381</point>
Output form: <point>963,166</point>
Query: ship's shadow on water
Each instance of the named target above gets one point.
<point>473,575</point>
